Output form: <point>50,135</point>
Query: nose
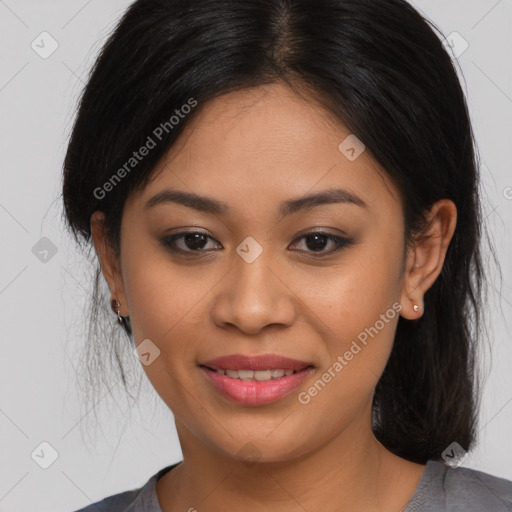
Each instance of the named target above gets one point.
<point>253,296</point>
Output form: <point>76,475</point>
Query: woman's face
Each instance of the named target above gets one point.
<point>255,283</point>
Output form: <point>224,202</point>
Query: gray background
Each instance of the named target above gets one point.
<point>42,304</point>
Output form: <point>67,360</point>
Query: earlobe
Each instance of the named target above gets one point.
<point>426,257</point>
<point>412,292</point>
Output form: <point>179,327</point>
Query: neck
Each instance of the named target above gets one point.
<point>352,471</point>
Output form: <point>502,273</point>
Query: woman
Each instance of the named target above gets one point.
<point>283,198</point>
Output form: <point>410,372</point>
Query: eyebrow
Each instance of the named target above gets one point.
<point>210,205</point>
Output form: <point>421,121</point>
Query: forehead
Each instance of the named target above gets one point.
<point>258,147</point>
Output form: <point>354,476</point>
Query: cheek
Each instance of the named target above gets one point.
<point>164,305</point>
<point>352,295</point>
<point>358,342</point>
<point>168,304</point>
<point>155,295</point>
<point>357,309</point>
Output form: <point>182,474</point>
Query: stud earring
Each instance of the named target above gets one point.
<point>416,307</point>
<point>116,306</point>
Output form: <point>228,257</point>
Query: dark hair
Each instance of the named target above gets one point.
<point>375,65</point>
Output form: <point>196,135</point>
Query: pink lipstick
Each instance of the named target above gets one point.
<point>256,379</point>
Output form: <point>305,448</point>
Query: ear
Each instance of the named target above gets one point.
<point>110,264</point>
<point>425,258</point>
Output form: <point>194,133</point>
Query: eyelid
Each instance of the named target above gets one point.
<point>323,231</point>
<point>341,241</point>
<point>169,240</point>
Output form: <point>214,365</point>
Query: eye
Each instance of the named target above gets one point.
<point>197,242</point>
<point>316,241</point>
<point>190,241</point>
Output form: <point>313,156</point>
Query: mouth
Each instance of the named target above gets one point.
<point>255,380</point>
<point>256,375</point>
<point>256,363</point>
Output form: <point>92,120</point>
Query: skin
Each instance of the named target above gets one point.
<point>254,149</point>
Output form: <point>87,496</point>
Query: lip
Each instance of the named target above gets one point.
<point>248,392</point>
<point>255,362</point>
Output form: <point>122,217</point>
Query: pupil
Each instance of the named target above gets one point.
<point>315,238</point>
<point>196,240</point>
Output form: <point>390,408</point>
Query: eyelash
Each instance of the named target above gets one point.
<point>341,243</point>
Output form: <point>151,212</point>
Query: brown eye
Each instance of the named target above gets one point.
<point>191,241</point>
<point>197,242</point>
<point>317,241</point>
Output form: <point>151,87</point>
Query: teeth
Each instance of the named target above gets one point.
<point>258,375</point>
<point>245,374</point>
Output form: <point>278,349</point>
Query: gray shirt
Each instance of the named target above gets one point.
<point>442,488</point>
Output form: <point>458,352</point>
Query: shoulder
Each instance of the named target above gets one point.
<point>121,502</point>
<point>142,499</point>
<point>469,490</point>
